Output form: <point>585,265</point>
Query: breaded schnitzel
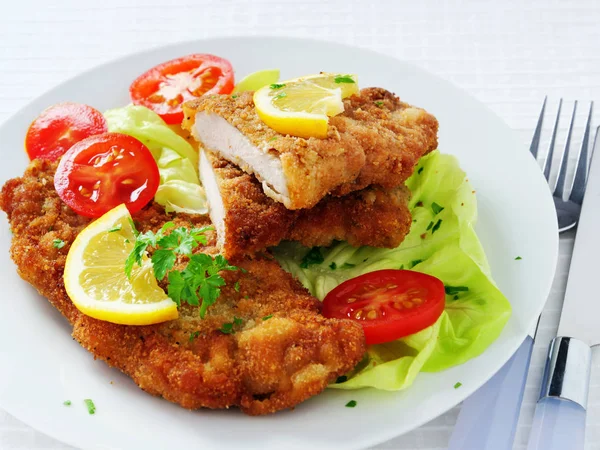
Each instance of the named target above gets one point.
<point>377,140</point>
<point>270,363</point>
<point>247,221</point>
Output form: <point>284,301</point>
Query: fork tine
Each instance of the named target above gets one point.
<point>535,141</point>
<point>548,162</point>
<point>581,170</point>
<point>559,190</point>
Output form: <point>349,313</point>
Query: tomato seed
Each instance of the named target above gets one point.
<point>372,314</point>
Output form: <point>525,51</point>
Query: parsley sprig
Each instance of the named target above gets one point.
<point>198,281</point>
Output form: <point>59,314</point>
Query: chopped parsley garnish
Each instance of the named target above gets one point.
<point>455,297</point>
<point>436,208</point>
<point>234,96</point>
<point>348,266</point>
<point>274,138</point>
<point>429,226</point>
<point>194,335</point>
<point>90,406</point>
<point>333,266</point>
<point>420,170</point>
<point>199,283</point>
<point>267,317</point>
<point>58,243</point>
<point>67,403</point>
<point>341,379</point>
<point>314,256</point>
<point>436,226</point>
<point>518,258</point>
<point>415,262</point>
<point>280,95</point>
<point>276,86</point>
<point>115,228</point>
<point>457,385</point>
<point>351,404</point>
<point>228,327</point>
<point>236,286</point>
<point>379,103</point>
<point>344,79</point>
<point>452,290</point>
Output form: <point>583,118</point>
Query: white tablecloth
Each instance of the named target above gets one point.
<point>507,53</point>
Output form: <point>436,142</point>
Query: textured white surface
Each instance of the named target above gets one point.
<point>508,54</point>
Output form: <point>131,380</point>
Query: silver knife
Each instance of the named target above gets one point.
<point>559,421</point>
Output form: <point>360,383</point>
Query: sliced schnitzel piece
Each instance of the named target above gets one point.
<point>247,221</point>
<point>377,140</point>
<point>280,354</point>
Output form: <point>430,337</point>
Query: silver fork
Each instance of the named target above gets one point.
<point>488,418</point>
<point>567,209</point>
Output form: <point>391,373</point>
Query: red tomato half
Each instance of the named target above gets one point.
<point>389,304</point>
<point>103,171</point>
<point>59,127</point>
<point>165,87</point>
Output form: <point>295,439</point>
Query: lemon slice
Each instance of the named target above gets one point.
<point>95,277</point>
<point>256,80</point>
<point>301,107</point>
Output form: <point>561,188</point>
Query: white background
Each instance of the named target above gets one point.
<point>509,54</point>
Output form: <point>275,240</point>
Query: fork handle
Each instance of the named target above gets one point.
<point>488,418</point>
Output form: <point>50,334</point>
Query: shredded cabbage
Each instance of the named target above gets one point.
<point>472,319</point>
<point>179,189</point>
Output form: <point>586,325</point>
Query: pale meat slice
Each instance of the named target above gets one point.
<point>377,140</point>
<point>247,221</point>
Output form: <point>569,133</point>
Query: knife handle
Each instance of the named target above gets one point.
<point>488,418</point>
<point>558,424</point>
<point>559,421</point>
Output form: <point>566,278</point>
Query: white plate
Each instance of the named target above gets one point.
<point>41,366</point>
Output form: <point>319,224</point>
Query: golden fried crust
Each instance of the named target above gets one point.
<point>376,140</point>
<point>373,216</point>
<point>312,167</point>
<point>265,366</point>
<point>393,134</point>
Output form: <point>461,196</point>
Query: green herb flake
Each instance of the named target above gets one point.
<point>280,95</point>
<point>67,403</point>
<point>274,138</point>
<point>229,327</point>
<point>333,266</point>
<point>234,96</point>
<point>351,404</point>
<point>401,267</point>
<point>267,317</point>
<point>455,297</point>
<point>314,256</point>
<point>415,262</point>
<point>420,171</point>
<point>344,79</point>
<point>276,85</point>
<point>236,286</point>
<point>58,243</point>
<point>90,406</point>
<point>436,226</point>
<point>453,290</point>
<point>379,104</point>
<point>518,258</point>
<point>429,226</point>
<point>457,385</point>
<point>348,266</point>
<point>436,208</point>
<point>194,335</point>
<point>341,379</point>
<point>115,228</point>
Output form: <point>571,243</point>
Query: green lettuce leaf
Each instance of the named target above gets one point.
<point>180,189</point>
<point>442,242</point>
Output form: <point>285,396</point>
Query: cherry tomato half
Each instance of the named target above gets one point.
<point>103,171</point>
<point>59,127</point>
<point>389,304</point>
<point>165,87</point>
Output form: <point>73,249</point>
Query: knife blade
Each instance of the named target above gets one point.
<point>559,420</point>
